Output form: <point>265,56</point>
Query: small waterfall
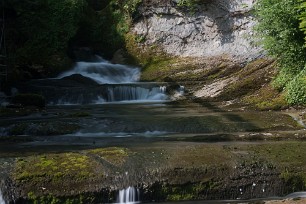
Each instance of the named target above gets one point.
<point>115,83</point>
<point>2,201</point>
<point>129,195</point>
<point>104,72</point>
<point>130,93</point>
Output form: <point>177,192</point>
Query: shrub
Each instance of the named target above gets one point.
<point>279,30</point>
<point>296,89</point>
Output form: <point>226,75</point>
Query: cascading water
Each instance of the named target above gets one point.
<point>104,72</point>
<point>2,201</point>
<point>115,83</point>
<point>129,195</point>
<point>129,93</point>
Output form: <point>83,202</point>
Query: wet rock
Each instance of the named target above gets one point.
<point>35,100</point>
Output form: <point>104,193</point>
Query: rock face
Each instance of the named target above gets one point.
<point>211,28</point>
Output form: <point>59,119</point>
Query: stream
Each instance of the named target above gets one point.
<point>98,104</point>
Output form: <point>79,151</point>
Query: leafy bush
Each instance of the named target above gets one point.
<point>296,89</point>
<point>303,17</point>
<point>281,36</point>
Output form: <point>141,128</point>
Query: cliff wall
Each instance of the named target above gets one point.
<point>210,28</point>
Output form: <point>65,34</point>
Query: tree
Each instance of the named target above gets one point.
<point>279,30</point>
<point>303,17</point>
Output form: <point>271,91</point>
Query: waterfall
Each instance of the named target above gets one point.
<point>130,93</point>
<point>129,195</point>
<point>2,201</point>
<point>104,72</point>
<point>115,83</point>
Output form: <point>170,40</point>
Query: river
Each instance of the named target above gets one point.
<point>115,110</point>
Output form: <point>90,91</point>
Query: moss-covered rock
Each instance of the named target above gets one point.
<point>114,155</point>
<point>267,98</point>
<point>166,172</point>
<point>56,167</point>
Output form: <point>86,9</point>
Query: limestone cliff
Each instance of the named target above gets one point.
<point>210,28</point>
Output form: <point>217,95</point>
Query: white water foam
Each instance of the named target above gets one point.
<point>2,201</point>
<point>129,93</point>
<point>104,72</point>
<point>120,85</point>
<point>129,195</point>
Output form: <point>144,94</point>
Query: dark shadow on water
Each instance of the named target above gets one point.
<point>232,117</point>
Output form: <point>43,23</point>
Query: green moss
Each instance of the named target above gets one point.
<point>152,58</point>
<point>159,66</point>
<point>189,191</point>
<point>287,158</point>
<point>55,167</point>
<point>114,155</point>
<point>295,181</point>
<point>286,155</point>
<point>267,98</point>
<point>51,199</point>
<point>249,79</point>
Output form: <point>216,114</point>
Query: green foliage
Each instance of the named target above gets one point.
<point>45,27</point>
<point>45,32</point>
<point>130,6</point>
<point>104,30</point>
<point>191,5</point>
<point>303,17</point>
<point>296,89</point>
<point>280,34</point>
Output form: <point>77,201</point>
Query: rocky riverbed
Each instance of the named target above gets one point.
<point>170,151</point>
